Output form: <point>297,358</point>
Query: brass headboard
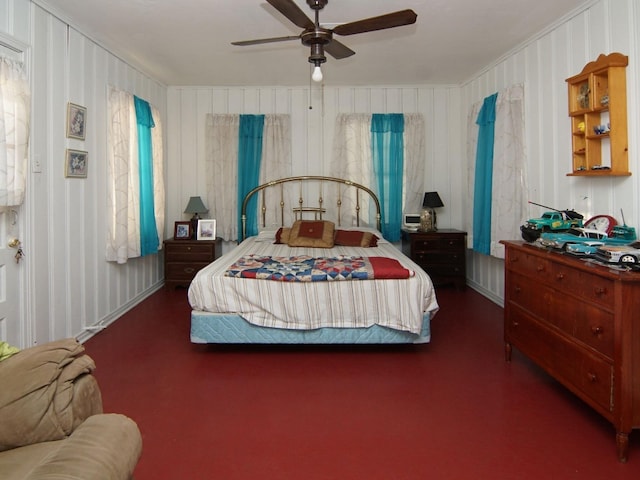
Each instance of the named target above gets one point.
<point>301,208</point>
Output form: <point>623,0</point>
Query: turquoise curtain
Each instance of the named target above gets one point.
<point>484,176</point>
<point>149,241</point>
<point>249,158</point>
<point>387,143</point>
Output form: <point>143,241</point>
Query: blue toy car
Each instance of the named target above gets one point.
<point>573,235</point>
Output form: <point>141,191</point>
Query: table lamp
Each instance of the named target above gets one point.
<point>195,206</point>
<point>428,221</point>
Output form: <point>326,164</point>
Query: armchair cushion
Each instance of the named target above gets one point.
<point>37,396</point>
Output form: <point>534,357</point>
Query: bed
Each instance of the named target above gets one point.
<point>368,292</point>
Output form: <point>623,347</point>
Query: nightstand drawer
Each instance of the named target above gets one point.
<point>436,258</point>
<point>456,243</point>
<point>184,258</point>
<point>442,254</point>
<point>192,252</point>
<point>183,271</point>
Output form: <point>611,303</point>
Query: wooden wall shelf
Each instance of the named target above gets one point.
<point>598,97</point>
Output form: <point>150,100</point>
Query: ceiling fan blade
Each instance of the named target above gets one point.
<point>292,12</point>
<point>390,20</point>
<point>338,50</point>
<point>265,40</point>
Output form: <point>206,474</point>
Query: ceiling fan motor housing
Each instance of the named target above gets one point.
<point>317,4</point>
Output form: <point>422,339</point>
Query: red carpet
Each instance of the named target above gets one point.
<point>452,409</point>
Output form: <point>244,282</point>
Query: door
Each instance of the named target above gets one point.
<point>10,280</point>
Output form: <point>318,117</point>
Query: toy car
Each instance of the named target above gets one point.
<point>573,235</point>
<point>584,249</point>
<point>587,244</point>
<point>623,254</point>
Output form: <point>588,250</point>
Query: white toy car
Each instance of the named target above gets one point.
<point>623,254</point>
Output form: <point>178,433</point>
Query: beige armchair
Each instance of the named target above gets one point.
<point>52,425</point>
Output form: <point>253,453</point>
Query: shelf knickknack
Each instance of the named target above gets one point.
<point>598,113</point>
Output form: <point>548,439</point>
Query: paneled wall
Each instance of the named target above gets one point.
<point>313,115</point>
<point>69,287</point>
<point>542,65</point>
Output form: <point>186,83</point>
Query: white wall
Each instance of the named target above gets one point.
<point>542,65</point>
<point>68,283</point>
<point>312,132</point>
<point>70,286</point>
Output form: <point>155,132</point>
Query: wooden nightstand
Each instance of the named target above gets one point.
<point>441,254</point>
<point>183,259</point>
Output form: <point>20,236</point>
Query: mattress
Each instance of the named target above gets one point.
<point>398,305</point>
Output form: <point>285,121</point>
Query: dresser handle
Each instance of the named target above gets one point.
<point>560,276</point>
<point>600,291</point>
<point>517,289</point>
<point>597,331</point>
<point>540,268</point>
<point>189,270</point>
<point>593,378</point>
<point>189,248</point>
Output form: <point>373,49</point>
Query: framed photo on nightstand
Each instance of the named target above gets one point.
<point>206,230</point>
<point>182,231</point>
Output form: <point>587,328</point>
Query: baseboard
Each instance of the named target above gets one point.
<point>485,293</point>
<point>90,330</point>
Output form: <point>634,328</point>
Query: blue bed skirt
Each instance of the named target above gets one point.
<point>227,328</point>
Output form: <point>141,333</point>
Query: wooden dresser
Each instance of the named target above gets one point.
<point>580,322</point>
<point>183,259</point>
<point>441,254</point>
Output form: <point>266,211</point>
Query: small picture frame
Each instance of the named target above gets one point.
<point>76,163</point>
<point>76,121</point>
<point>206,230</point>
<point>182,231</point>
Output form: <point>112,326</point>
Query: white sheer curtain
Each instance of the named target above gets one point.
<point>158,173</point>
<point>352,159</point>
<point>15,108</point>
<point>123,177</point>
<point>509,193</point>
<point>414,161</point>
<point>221,157</point>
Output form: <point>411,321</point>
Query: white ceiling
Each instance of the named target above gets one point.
<point>187,42</point>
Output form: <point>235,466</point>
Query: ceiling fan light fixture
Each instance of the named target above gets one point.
<point>316,76</point>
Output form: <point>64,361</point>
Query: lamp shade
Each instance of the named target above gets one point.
<point>195,205</point>
<point>432,200</point>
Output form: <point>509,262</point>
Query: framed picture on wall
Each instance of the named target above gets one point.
<point>182,231</point>
<point>76,121</point>
<point>206,230</point>
<point>76,163</point>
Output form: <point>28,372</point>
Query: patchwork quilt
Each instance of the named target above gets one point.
<point>302,268</point>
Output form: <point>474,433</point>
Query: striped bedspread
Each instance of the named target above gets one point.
<point>302,268</point>
<point>394,303</point>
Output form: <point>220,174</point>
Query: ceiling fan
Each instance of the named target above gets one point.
<point>320,39</point>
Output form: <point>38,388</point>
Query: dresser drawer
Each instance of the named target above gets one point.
<point>587,286</point>
<point>584,321</point>
<point>527,264</point>
<point>586,374</point>
<point>176,252</point>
